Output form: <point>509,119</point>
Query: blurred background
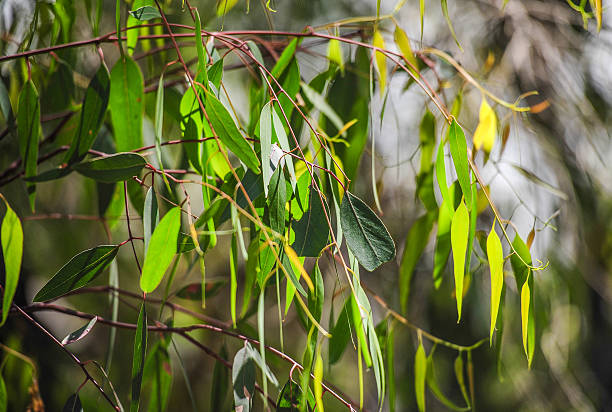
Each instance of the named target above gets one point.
<point>553,178</point>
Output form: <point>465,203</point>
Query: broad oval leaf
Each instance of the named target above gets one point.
<point>127,103</point>
<point>459,240</point>
<point>243,379</point>
<point>420,373</point>
<point>78,272</point>
<point>495,255</point>
<point>458,148</point>
<point>73,404</point>
<point>138,360</point>
<point>80,333</point>
<point>484,136</point>
<point>365,233</point>
<point>114,168</point>
<point>28,131</point>
<point>145,13</point>
<point>161,250</point>
<point>12,251</point>
<point>229,134</point>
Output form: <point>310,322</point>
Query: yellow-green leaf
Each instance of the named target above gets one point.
<point>598,13</point>
<point>525,301</point>
<point>223,6</point>
<point>420,373</point>
<point>495,255</point>
<point>12,250</point>
<point>403,43</point>
<point>484,136</point>
<point>381,60</point>
<point>459,240</point>
<point>334,53</point>
<point>318,380</point>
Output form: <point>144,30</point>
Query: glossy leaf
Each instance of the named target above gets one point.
<point>381,60</point>
<point>78,272</point>
<point>459,240</point>
<point>312,230</point>
<point>366,235</point>
<point>92,115</point>
<point>11,235</point>
<point>229,134</point>
<point>80,333</point>
<point>73,404</point>
<point>150,217</point>
<point>243,380</point>
<point>458,148</point>
<point>420,373</point>
<point>484,136</point>
<point>495,255</point>
<point>138,360</point>
<point>159,255</point>
<point>145,13</point>
<point>28,131</point>
<point>111,169</point>
<point>127,104</point>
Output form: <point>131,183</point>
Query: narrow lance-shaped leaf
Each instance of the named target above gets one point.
<point>80,333</point>
<point>73,404</point>
<point>484,136</point>
<point>265,141</point>
<point>366,235</point>
<point>78,272</point>
<point>458,367</point>
<point>444,5</point>
<point>117,167</point>
<point>403,43</point>
<point>459,239</point>
<point>281,136</point>
<point>432,383</point>
<point>441,178</point>
<point>243,379</point>
<point>525,283</point>
<point>140,350</point>
<point>381,60</point>
<point>341,333</point>
<point>150,216</point>
<point>28,131</point>
<point>334,53</point>
<point>420,373</point>
<point>12,251</point>
<point>318,380</point>
<point>3,395</point>
<point>161,250</point>
<point>459,154</point>
<point>312,230</point>
<point>127,104</point>
<point>495,255</point>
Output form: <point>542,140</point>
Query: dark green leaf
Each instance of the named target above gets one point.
<point>341,334</point>
<point>28,131</point>
<point>312,230</point>
<point>3,395</point>
<point>459,154</point>
<point>111,169</point>
<point>366,235</point>
<point>159,255</point>
<point>277,199</point>
<point>80,333</point>
<point>12,251</point>
<point>193,291</point>
<point>150,217</point>
<point>127,104</point>
<point>316,297</point>
<point>78,272</point>
<point>243,379</point>
<point>48,175</point>
<point>73,404</point>
<point>435,389</point>
<point>220,380</point>
<point>229,134</point>
<point>145,13</point>
<point>140,351</point>
<point>289,398</point>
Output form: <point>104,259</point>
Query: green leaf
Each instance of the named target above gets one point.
<point>459,240</point>
<point>420,372</point>
<point>441,178</point>
<point>443,240</point>
<point>444,5</point>
<point>220,380</point>
<point>458,148</point>
<point>28,131</point>
<point>229,134</point>
<point>140,350</point>
<point>193,291</point>
<point>5,105</point>
<point>78,272</point>
<point>158,371</point>
<point>432,383</point>
<point>265,141</point>
<point>117,167</point>
<point>416,241</point>
<point>243,379</point>
<point>281,135</point>
<point>3,395</point>
<point>318,380</point>
<point>312,230</point>
<point>223,6</point>
<point>458,366</point>
<point>366,235</point>
<point>145,13</point>
<point>12,251</point>
<point>289,398</point>
<point>127,104</point>
<point>93,111</point>
<point>73,404</point>
<point>495,255</point>
<point>150,217</point>
<point>334,53</point>
<point>316,297</point>
<point>161,250</point>
<point>523,276</point>
<point>341,333</point>
<point>285,58</point>
<point>277,200</point>
<point>80,333</point>
<point>321,104</point>
<point>525,309</point>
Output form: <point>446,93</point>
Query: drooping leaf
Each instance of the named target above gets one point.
<point>220,380</point>
<point>459,240</point>
<point>289,398</point>
<point>3,395</point>
<point>495,255</point>
<point>92,115</point>
<point>114,168</point>
<point>265,141</point>
<point>341,334</point>
<point>323,106</point>
<point>484,136</point>
<point>229,134</point>
<point>312,230</point>
<point>145,13</point>
<point>525,298</point>
<point>12,251</point>
<point>73,404</point>
<point>80,333</point>
<point>150,217</point>
<point>78,272</point>
<point>381,60</point>
<point>402,41</point>
<point>444,5</point>
<point>420,373</point>
<point>416,241</point>
<point>277,200</point>
<point>138,360</point>
<point>458,149</point>
<point>432,383</point>
<point>243,379</point>
<point>523,275</point>
<point>223,6</point>
<point>28,131</point>
<point>441,178</point>
<point>366,235</point>
<point>318,379</point>
<point>458,367</point>
<point>334,53</point>
<point>158,371</point>
<point>285,58</point>
<point>443,241</point>
<point>281,136</point>
<point>127,103</point>
<point>161,250</point>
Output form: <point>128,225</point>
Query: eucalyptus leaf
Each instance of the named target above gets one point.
<point>114,168</point>
<point>11,233</point>
<point>145,13</point>
<point>138,360</point>
<point>28,131</point>
<point>243,379</point>
<point>127,104</point>
<point>80,333</point>
<point>73,404</point>
<point>312,230</point>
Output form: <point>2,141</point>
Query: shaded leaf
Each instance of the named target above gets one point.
<point>193,291</point>
<point>341,334</point>
<point>150,217</point>
<point>138,360</point>
<point>12,251</point>
<point>78,272</point>
<point>73,404</point>
<point>220,380</point>
<point>243,380</point>
<point>289,398</point>
<point>127,104</point>
<point>114,168</point>
<point>277,200</point>
<point>28,131</point>
<point>432,383</point>
<point>80,333</point>
<point>145,13</point>
<point>312,230</point>
<point>459,240</point>
<point>458,367</point>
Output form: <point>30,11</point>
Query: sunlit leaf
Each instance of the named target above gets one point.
<point>458,148</point>
<point>381,60</point>
<point>111,169</point>
<point>80,333</point>
<point>403,43</point>
<point>78,272</point>
<point>159,255</point>
<point>223,6</point>
<point>525,283</point>
<point>334,53</point>
<point>459,240</point>
<point>366,235</point>
<point>420,373</point>
<point>484,136</point>
<point>525,298</point>
<point>318,379</point>
<point>285,58</point>
<point>127,104</point>
<point>495,254</point>
<point>28,131</point>
<point>140,350</point>
<point>12,251</point>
